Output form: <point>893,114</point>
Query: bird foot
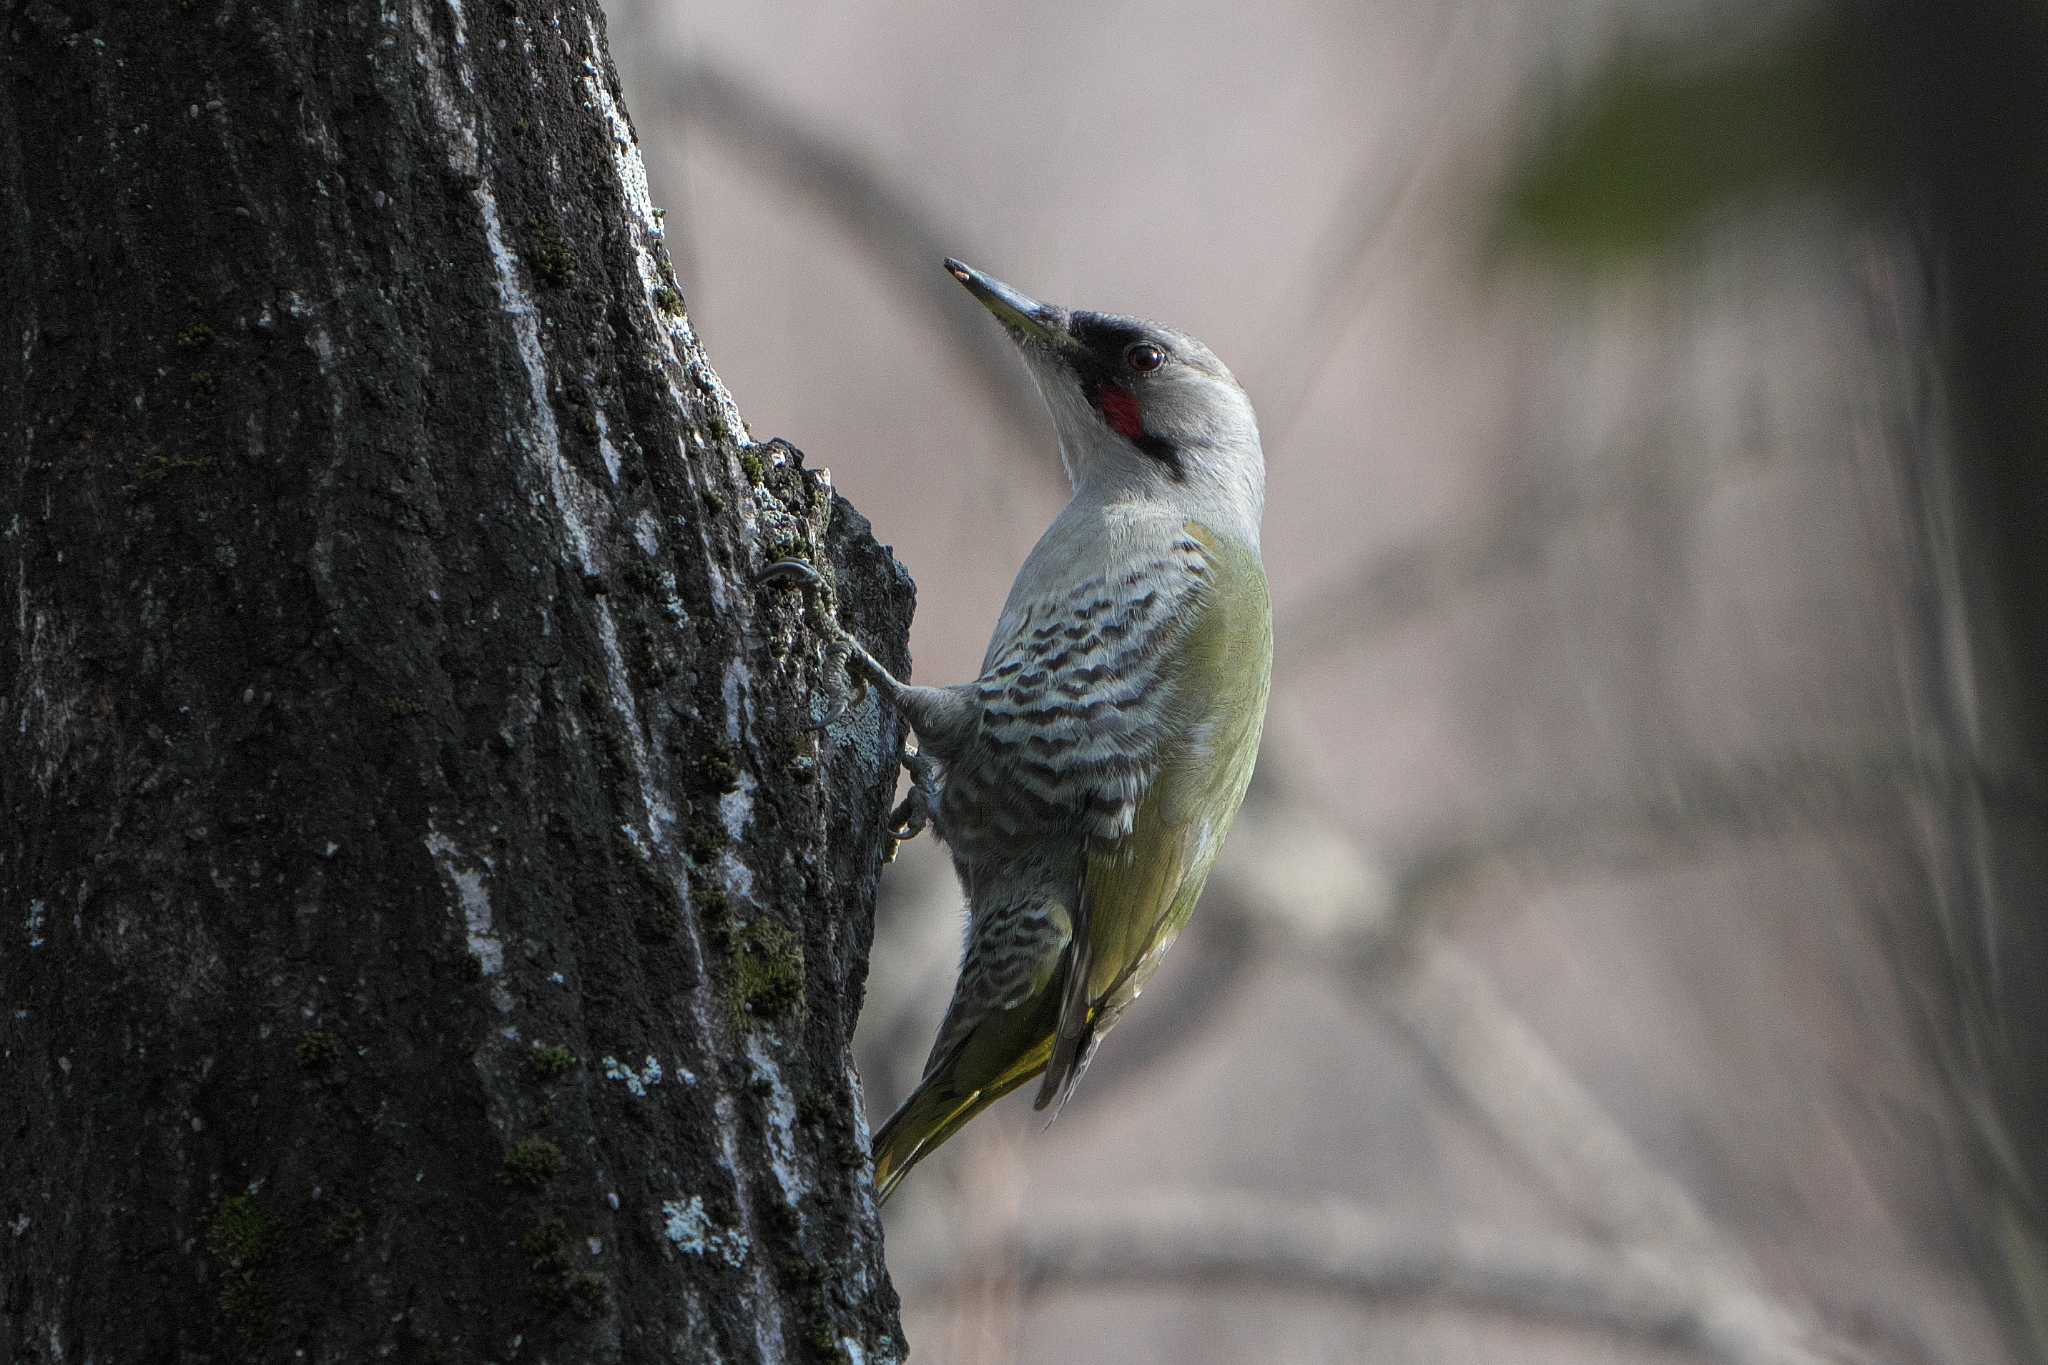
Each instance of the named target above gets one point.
<point>916,811</point>
<point>841,693</point>
<point>845,654</point>
<point>849,671</point>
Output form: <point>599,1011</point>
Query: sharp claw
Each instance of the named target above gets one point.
<point>908,820</point>
<point>788,571</point>
<point>913,814</point>
<point>797,571</point>
<point>906,823</point>
<point>818,727</point>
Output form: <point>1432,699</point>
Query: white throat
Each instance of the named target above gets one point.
<point>1221,482</point>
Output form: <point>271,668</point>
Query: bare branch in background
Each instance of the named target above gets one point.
<point>1508,1077</point>
<point>1506,1073</point>
<point>1297,884</point>
<point>885,216</point>
<point>1788,790</point>
<point>1224,1238</point>
<point>1352,252</point>
<point>1538,503</point>
<point>1407,582</point>
<point>1495,1063</point>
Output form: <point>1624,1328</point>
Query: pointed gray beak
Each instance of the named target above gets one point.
<point>1025,317</point>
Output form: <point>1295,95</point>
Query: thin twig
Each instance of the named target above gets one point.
<point>907,237</point>
<point>1218,1237</point>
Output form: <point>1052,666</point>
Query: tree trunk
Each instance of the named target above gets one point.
<point>433,929</point>
<point>1968,86</point>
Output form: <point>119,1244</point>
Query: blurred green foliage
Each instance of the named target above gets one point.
<point>1657,142</point>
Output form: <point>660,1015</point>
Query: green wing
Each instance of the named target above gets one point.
<point>1138,891</point>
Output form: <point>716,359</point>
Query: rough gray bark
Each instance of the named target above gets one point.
<point>433,932</point>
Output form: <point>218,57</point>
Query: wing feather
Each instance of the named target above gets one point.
<point>1140,887</point>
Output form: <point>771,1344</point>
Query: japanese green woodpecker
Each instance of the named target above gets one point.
<point>1084,782</point>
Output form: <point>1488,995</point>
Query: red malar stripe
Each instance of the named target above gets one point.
<point>1120,410</point>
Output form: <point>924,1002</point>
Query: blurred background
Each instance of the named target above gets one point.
<point>1630,949</point>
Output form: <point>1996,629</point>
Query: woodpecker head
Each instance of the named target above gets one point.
<point>1142,410</point>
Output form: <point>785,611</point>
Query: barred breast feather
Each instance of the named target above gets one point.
<point>1075,703</point>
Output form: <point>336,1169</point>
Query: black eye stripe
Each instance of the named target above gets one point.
<point>1104,340</point>
<point>1105,334</point>
<point>1166,452</point>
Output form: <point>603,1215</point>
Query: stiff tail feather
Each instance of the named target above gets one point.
<point>1076,1017</point>
<point>935,1111</point>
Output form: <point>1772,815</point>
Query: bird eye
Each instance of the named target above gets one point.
<point>1144,357</point>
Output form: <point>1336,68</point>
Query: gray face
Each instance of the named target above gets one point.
<point>1115,361</point>
<point>1157,390</point>
<point>1138,405</point>
<point>1148,389</point>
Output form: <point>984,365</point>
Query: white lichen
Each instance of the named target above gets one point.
<point>646,533</point>
<point>605,449</point>
<point>781,1108</point>
<point>636,1082</point>
<point>768,1334</point>
<point>736,875</point>
<point>468,886</point>
<point>690,1231</point>
<point>671,600</point>
<point>38,911</point>
<point>661,816</point>
<point>736,807</point>
<point>466,882</point>
<point>48,676</point>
